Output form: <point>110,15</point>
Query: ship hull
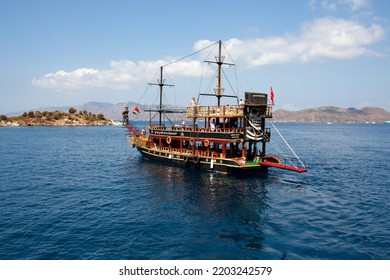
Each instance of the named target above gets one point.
<point>217,165</point>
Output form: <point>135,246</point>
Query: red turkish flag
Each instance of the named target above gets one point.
<point>136,110</point>
<point>272,97</point>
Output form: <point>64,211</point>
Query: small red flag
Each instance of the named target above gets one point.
<point>272,97</point>
<point>136,110</point>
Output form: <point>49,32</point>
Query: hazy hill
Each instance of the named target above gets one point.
<point>110,111</point>
<point>321,114</point>
<point>333,114</point>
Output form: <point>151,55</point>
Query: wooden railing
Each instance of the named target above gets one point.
<point>230,111</point>
<point>199,129</point>
<point>188,152</point>
<point>226,111</point>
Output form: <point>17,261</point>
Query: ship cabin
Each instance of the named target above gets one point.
<point>226,131</point>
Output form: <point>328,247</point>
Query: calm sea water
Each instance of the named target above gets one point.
<point>83,193</point>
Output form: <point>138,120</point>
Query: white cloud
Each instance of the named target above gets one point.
<point>328,5</point>
<point>312,4</point>
<point>121,75</point>
<point>333,5</point>
<point>355,5</point>
<point>320,39</point>
<point>324,38</point>
<point>70,80</point>
<point>118,76</point>
<point>337,38</point>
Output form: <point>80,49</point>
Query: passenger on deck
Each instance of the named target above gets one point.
<point>183,124</point>
<point>241,103</point>
<point>212,125</point>
<point>193,102</point>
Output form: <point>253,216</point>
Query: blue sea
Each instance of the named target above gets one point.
<point>83,193</point>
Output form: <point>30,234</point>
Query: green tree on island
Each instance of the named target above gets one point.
<point>100,116</point>
<point>72,110</point>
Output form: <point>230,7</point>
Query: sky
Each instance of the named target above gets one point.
<point>312,52</point>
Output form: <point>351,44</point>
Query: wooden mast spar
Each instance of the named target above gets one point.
<point>219,90</point>
<point>161,83</point>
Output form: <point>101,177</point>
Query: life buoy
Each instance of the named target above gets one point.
<point>169,140</point>
<point>192,141</point>
<point>206,143</point>
<point>196,159</point>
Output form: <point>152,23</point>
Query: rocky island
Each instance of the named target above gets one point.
<point>56,118</point>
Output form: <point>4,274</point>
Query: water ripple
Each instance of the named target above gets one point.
<point>82,193</point>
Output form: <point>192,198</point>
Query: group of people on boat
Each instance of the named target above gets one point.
<point>193,104</point>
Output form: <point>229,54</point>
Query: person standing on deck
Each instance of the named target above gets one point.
<point>193,102</point>
<point>193,106</point>
<point>212,125</point>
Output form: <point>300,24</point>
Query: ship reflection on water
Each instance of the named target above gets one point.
<point>223,211</point>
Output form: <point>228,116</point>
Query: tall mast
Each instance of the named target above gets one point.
<point>219,90</point>
<point>161,84</point>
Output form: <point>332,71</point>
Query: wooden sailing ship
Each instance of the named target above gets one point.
<point>218,138</point>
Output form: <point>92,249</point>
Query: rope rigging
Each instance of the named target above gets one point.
<point>190,55</point>
<point>262,134</point>
<point>288,145</point>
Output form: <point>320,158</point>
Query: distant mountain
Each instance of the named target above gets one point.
<point>333,114</point>
<point>110,111</point>
<point>320,114</point>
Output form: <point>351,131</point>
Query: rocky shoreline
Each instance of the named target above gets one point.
<point>57,123</point>
<point>56,118</point>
